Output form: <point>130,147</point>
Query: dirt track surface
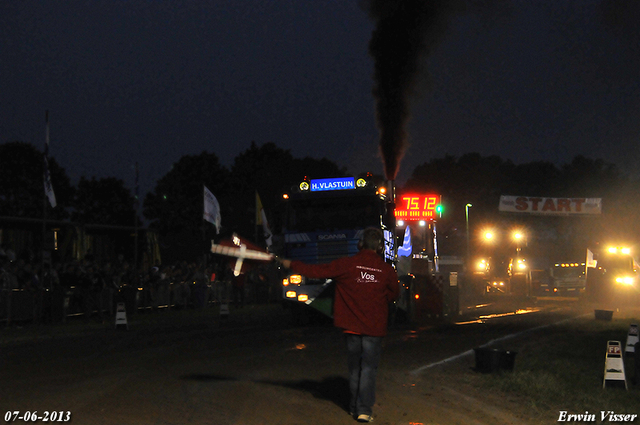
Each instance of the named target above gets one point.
<point>193,367</point>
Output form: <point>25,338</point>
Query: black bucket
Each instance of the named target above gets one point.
<point>493,360</point>
<point>604,315</point>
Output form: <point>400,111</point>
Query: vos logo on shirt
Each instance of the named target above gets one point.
<point>367,275</point>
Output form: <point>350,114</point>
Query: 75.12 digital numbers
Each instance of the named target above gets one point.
<point>418,207</point>
<point>46,416</point>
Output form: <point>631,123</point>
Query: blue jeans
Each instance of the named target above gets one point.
<point>363,358</point>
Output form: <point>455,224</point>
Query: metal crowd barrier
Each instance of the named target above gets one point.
<point>21,305</point>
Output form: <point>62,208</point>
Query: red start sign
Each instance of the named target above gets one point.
<point>417,207</point>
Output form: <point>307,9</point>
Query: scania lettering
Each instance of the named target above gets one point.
<point>331,237</point>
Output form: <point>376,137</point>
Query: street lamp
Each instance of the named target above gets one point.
<point>466,214</point>
<point>488,235</point>
<point>518,236</point>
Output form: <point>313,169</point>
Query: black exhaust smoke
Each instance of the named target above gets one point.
<point>405,32</point>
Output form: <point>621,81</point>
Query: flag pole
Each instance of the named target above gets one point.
<point>45,198</point>
<point>255,219</point>
<point>204,235</point>
<point>44,194</point>
<point>135,220</point>
<point>48,188</point>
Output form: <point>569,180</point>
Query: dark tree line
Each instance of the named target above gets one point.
<point>174,206</point>
<point>480,181</point>
<point>93,201</point>
<point>21,182</point>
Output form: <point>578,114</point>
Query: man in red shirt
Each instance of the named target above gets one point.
<point>365,285</point>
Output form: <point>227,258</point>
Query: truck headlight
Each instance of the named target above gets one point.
<point>294,279</point>
<point>625,280</point>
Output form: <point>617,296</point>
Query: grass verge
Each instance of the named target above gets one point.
<point>562,369</point>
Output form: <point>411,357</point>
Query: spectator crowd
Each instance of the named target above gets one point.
<point>45,292</point>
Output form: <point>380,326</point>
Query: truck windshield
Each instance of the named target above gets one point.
<point>308,215</point>
<point>612,262</point>
<point>568,271</point>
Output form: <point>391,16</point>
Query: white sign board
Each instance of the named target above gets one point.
<point>550,206</point>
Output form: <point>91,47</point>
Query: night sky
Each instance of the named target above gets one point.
<point>151,81</point>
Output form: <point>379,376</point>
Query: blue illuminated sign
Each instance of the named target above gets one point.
<point>340,183</point>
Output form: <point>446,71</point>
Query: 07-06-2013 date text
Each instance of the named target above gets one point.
<point>35,416</point>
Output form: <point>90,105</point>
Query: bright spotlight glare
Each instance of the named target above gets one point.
<point>625,280</point>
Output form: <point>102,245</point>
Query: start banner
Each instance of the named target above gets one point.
<point>550,206</point>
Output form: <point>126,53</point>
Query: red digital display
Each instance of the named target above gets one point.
<point>417,207</point>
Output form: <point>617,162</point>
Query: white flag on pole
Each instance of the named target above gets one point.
<point>591,262</point>
<point>261,218</point>
<point>211,209</point>
<point>48,187</point>
<point>268,236</point>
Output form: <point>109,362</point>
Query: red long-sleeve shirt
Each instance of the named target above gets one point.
<point>365,285</point>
